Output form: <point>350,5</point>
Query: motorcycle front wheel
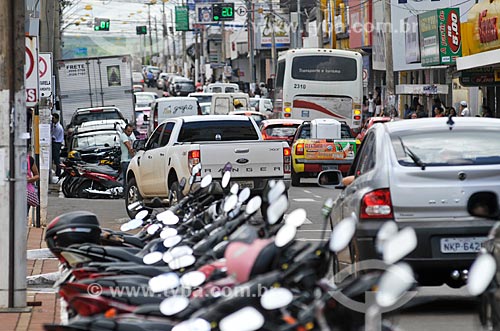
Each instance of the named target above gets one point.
<point>81,189</point>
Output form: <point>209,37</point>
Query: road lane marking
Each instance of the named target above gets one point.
<point>318,196</point>
<point>307,191</point>
<point>304,200</point>
<point>307,221</point>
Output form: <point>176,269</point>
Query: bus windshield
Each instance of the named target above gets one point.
<point>324,68</point>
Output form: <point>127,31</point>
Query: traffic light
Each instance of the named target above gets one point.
<point>101,24</point>
<point>222,12</point>
<point>141,29</point>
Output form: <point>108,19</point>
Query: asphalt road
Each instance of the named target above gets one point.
<point>435,308</point>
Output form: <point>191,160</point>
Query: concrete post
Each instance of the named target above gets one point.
<point>45,142</point>
<point>13,160</point>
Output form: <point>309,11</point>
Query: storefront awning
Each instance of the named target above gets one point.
<point>483,59</point>
<point>424,89</point>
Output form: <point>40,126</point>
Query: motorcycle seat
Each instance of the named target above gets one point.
<point>148,271</point>
<point>103,169</point>
<point>118,281</point>
<point>115,253</point>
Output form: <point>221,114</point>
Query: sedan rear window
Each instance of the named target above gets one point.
<point>281,131</point>
<point>218,131</point>
<point>96,116</point>
<point>450,148</point>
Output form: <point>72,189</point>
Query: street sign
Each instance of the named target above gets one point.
<point>242,11</point>
<point>181,18</point>
<point>141,29</point>
<point>31,72</point>
<point>222,12</point>
<point>45,67</point>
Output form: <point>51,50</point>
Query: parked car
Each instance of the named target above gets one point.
<point>369,123</point>
<point>144,102</point>
<point>421,174</point>
<point>138,88</point>
<point>279,129</point>
<point>181,86</point>
<point>257,117</point>
<point>95,139</point>
<point>92,114</point>
<point>160,82</point>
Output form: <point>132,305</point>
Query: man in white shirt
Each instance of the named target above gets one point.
<point>371,104</point>
<point>464,111</point>
<point>127,138</point>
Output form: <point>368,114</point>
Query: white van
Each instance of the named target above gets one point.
<point>222,88</point>
<point>224,103</point>
<point>165,108</point>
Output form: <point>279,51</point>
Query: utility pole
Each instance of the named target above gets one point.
<point>251,42</point>
<point>150,36</point>
<point>319,23</point>
<point>166,50</point>
<point>389,68</point>
<point>13,230</point>
<point>197,57</point>
<point>273,43</point>
<point>156,37</point>
<point>173,42</point>
<point>299,25</point>
<point>184,58</point>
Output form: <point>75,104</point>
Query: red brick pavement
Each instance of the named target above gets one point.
<point>46,306</point>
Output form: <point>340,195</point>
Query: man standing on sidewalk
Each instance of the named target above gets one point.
<point>57,140</point>
<point>127,138</point>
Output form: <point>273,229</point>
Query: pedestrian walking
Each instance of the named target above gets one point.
<point>127,139</point>
<point>57,141</point>
<point>371,104</point>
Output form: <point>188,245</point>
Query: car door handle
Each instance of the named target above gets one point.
<point>242,150</point>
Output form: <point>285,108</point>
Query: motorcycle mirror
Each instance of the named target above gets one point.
<point>296,217</point>
<point>276,191</point>
<point>235,188</point>
<point>167,257</point>
<point>125,227</point>
<point>277,209</point>
<point>230,203</point>
<point>481,274</point>
<point>285,235</point>
<point>253,205</point>
<point>225,179</point>
<point>193,279</point>
<point>197,324</point>
<point>168,218</point>
<point>164,282</point>
<point>276,298</point>
<point>142,214</point>
<point>173,305</point>
<point>182,262</point>
<point>245,319</point>
<point>393,284</point>
<point>134,205</point>
<point>327,207</point>
<point>207,180</point>
<point>152,258</point>
<point>196,169</point>
<point>153,228</point>
<point>386,232</point>
<point>172,241</point>
<point>181,251</point>
<point>168,232</point>
<point>400,245</point>
<point>342,234</point>
<point>244,195</point>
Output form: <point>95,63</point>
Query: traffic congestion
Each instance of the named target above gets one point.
<point>263,166</point>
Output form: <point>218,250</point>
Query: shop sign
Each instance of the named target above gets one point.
<point>440,38</point>
<point>486,76</point>
<point>480,32</point>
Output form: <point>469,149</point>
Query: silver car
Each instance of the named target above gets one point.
<point>421,173</point>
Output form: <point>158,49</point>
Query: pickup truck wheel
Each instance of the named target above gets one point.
<point>132,195</point>
<point>295,178</point>
<point>175,194</point>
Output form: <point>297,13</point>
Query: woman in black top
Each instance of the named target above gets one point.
<point>34,176</point>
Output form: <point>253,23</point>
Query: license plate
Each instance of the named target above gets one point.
<point>245,183</point>
<point>329,167</point>
<point>461,245</point>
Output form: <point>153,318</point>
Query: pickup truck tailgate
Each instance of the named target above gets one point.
<point>321,149</point>
<point>248,159</point>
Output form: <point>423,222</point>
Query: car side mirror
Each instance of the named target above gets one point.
<point>139,144</point>
<point>330,179</point>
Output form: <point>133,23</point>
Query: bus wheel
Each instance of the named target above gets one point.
<point>295,178</point>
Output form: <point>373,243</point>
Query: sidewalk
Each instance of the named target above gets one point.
<point>45,306</point>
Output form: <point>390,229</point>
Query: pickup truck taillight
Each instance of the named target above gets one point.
<point>194,159</point>
<point>299,149</point>
<point>376,204</point>
<point>287,160</point>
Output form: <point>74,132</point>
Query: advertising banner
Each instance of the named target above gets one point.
<point>480,32</point>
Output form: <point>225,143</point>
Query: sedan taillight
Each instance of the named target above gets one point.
<point>377,204</point>
<point>287,160</point>
<point>299,149</point>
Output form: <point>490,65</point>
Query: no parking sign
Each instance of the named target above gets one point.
<point>31,72</point>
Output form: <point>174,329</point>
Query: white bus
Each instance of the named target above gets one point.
<point>319,83</point>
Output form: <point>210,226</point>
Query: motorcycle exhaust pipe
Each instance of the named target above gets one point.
<point>97,192</point>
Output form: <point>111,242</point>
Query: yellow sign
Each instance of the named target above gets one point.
<point>481,32</point>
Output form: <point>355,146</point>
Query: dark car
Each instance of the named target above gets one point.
<point>181,86</point>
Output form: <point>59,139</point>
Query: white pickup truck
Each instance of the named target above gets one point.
<point>180,143</point>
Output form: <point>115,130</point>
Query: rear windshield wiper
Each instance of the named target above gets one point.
<point>412,155</point>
